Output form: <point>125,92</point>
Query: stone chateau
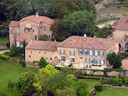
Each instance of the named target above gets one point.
<point>76,51</point>
<point>29,28</point>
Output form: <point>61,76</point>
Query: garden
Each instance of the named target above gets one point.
<point>3,40</point>
<point>11,71</point>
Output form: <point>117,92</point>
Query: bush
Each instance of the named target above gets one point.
<point>114,60</point>
<point>16,51</point>
<point>99,88</point>
<point>42,62</point>
<point>4,57</point>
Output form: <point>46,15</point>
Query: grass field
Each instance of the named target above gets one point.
<point>113,92</point>
<point>3,40</point>
<point>9,72</point>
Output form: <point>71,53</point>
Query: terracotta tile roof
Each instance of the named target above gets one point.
<point>121,24</point>
<point>14,23</point>
<point>39,19</point>
<point>87,43</point>
<point>42,45</point>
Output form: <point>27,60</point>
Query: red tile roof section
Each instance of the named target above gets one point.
<point>42,45</point>
<point>87,43</point>
<point>121,24</point>
<point>39,19</point>
<point>14,24</point>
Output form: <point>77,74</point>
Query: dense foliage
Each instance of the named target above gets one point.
<point>81,12</point>
<point>77,23</point>
<point>103,32</point>
<point>50,82</point>
<point>114,59</point>
<point>43,62</point>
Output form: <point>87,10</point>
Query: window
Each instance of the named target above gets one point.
<point>102,62</point>
<point>17,44</point>
<point>96,53</point>
<point>86,52</point>
<point>63,58</point>
<point>61,51</point>
<point>72,52</point>
<point>81,52</point>
<point>100,53</point>
<point>36,37</point>
<point>72,60</point>
<point>94,61</point>
<point>91,52</point>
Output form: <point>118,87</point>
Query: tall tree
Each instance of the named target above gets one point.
<point>76,23</point>
<point>114,59</point>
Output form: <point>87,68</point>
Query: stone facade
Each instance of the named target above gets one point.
<point>120,33</point>
<point>77,52</point>
<point>29,28</point>
<point>125,63</point>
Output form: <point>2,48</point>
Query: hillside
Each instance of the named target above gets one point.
<point>110,9</point>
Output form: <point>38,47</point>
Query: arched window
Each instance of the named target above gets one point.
<point>126,46</point>
<point>28,28</point>
<point>42,27</point>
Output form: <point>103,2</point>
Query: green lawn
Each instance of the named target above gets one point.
<point>113,92</point>
<point>3,40</point>
<point>9,72</point>
<point>90,83</point>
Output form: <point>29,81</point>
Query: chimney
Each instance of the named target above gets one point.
<point>85,35</point>
<point>37,13</point>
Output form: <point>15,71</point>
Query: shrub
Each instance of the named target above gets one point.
<point>99,87</point>
<point>114,60</point>
<point>4,57</point>
<point>42,62</point>
<point>16,51</point>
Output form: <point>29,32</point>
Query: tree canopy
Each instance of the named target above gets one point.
<point>76,23</point>
<point>114,59</point>
<point>50,82</point>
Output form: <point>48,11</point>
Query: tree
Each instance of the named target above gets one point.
<point>43,62</point>
<point>77,23</point>
<point>25,84</point>
<point>114,59</point>
<point>65,7</point>
<point>49,71</point>
<point>50,82</point>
